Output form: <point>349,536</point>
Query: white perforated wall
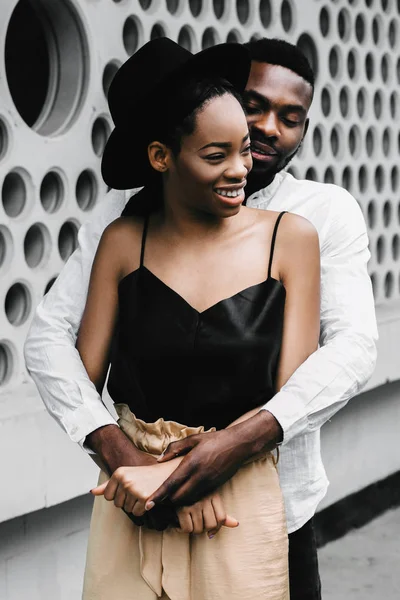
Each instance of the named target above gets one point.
<point>58,58</point>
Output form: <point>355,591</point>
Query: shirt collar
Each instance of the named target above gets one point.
<point>265,195</point>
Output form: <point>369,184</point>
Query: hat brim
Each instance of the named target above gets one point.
<point>124,164</point>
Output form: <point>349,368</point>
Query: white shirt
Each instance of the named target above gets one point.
<point>320,387</point>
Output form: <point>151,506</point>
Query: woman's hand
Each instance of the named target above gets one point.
<point>206,515</point>
<point>130,487</point>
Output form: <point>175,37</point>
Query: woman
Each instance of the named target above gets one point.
<point>210,308</point>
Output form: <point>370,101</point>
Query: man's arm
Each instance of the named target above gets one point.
<point>50,353</point>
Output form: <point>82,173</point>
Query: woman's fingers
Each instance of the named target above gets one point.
<point>231,522</point>
<point>129,504</point>
<point>209,518</point>
<point>197,518</point>
<point>99,489</point>
<point>119,497</point>
<point>185,520</point>
<point>138,509</point>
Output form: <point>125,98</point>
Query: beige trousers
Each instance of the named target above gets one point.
<point>250,562</point>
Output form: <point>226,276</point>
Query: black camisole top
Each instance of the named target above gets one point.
<point>197,368</point>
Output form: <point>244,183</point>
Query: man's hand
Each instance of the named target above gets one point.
<point>116,450</point>
<point>213,458</point>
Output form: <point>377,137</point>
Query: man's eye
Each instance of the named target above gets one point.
<point>291,122</point>
<point>251,109</point>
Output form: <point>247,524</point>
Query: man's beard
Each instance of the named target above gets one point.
<point>258,179</point>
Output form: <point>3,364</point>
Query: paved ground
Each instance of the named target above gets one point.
<point>365,564</point>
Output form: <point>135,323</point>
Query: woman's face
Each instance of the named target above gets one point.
<point>209,173</point>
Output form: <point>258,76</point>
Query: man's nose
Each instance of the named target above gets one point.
<point>268,124</point>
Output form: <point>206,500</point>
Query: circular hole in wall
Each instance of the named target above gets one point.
<point>209,38</point>
<point>157,31</point>
<point>36,244</point>
<point>334,61</point>
<point>243,10</point>
<point>347,178</point>
<point>370,141</point>
<point>311,174</point>
<point>394,178</point>
<point>343,24</point>
<point>395,247</point>
<point>393,33</point>
<point>378,104</point>
<point>6,362</point>
<point>369,66</point>
<point>234,37</point>
<point>265,12</point>
<point>51,192</point>
<point>17,304</point>
<point>376,29</point>
<point>388,285</point>
<point>6,246</point>
<point>353,68</point>
<point>286,15</point>
<point>49,285</point>
<point>371,214</point>
<point>326,101</point>
<point>100,133</point>
<point>172,6</point>
<point>329,175</point>
<point>386,141</point>
<point>186,38</point>
<point>335,141</point>
<point>344,101</point>
<point>308,47</point>
<point>219,8</point>
<point>360,28</point>
<point>109,73</point>
<point>67,239</point>
<point>145,4</point>
<point>363,178</point>
<point>379,178</point>
<point>3,139</point>
<point>387,213</point>
<point>132,35</point>
<point>46,52</point>
<point>317,140</point>
<point>324,21</point>
<point>393,104</point>
<point>385,68</point>
<point>361,102</point>
<point>195,7</point>
<point>14,193</point>
<point>374,282</point>
<point>86,190</point>
<point>380,249</point>
<point>355,140</point>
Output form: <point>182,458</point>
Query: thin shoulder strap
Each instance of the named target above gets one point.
<point>271,254</point>
<point>144,235</point>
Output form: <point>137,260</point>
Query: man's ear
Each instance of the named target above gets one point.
<point>306,124</point>
<point>158,154</point>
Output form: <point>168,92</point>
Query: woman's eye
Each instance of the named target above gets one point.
<point>246,150</point>
<point>214,157</point>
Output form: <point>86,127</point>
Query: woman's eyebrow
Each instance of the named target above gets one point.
<point>223,144</point>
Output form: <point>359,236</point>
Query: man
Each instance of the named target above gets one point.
<point>277,99</point>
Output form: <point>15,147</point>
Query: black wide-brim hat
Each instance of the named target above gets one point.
<point>141,86</point>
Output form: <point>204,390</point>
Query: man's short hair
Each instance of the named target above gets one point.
<point>279,52</point>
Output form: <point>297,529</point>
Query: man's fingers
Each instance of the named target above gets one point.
<point>99,489</point>
<point>179,448</point>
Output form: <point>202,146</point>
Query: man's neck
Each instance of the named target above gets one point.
<point>257,182</point>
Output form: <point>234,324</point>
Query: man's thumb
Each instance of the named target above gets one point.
<point>175,449</point>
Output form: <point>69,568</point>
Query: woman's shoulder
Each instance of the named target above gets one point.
<point>123,229</point>
<point>291,227</point>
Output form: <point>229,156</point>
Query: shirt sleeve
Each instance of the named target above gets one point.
<point>50,354</point>
<point>346,355</point>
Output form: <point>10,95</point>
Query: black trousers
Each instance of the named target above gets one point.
<point>305,583</point>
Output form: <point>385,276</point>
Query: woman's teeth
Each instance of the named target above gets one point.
<point>230,193</point>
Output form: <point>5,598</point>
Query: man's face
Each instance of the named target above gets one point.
<point>277,101</point>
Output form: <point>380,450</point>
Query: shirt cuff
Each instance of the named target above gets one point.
<point>86,420</point>
<point>290,413</point>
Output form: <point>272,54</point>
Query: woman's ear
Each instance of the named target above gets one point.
<point>159,155</point>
